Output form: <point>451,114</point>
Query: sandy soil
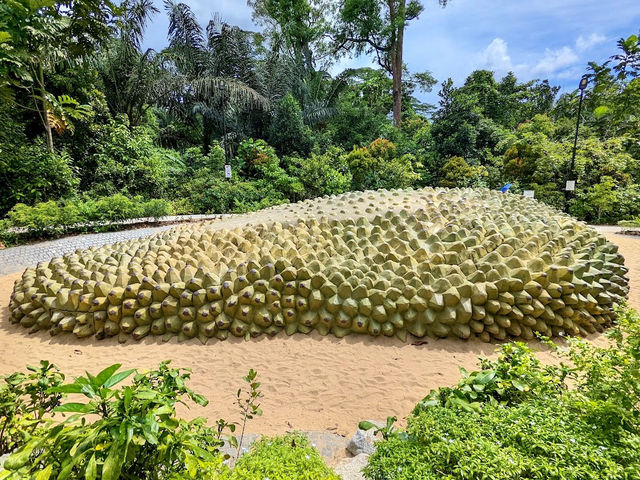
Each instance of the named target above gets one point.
<point>309,382</point>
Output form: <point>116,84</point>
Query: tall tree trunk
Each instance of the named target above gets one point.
<point>47,125</point>
<point>398,18</point>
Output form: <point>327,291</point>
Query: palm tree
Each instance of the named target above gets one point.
<point>217,82</point>
<point>133,80</point>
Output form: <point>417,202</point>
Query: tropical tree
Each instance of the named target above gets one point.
<point>377,27</point>
<point>133,80</point>
<point>36,36</point>
<point>213,84</point>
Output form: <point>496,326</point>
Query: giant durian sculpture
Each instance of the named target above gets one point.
<point>444,263</point>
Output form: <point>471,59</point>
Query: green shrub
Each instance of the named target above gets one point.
<point>208,193</point>
<point>117,431</point>
<point>378,166</point>
<point>606,202</point>
<point>25,399</point>
<point>458,173</point>
<point>516,375</point>
<point>517,419</point>
<point>539,439</point>
<point>53,218</point>
<point>117,207</point>
<point>289,457</point>
<point>253,156</point>
<point>156,208</point>
<point>323,174</point>
<point>28,172</point>
<point>550,194</point>
<point>37,217</point>
<point>194,159</point>
<point>127,161</point>
<point>288,133</point>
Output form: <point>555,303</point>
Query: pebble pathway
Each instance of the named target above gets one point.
<point>15,259</point>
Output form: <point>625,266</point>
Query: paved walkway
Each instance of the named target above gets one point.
<point>15,259</point>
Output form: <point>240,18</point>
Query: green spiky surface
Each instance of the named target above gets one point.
<point>444,263</point>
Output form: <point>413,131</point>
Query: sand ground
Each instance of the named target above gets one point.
<point>309,382</point>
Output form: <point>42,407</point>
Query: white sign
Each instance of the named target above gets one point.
<point>571,186</point>
<point>529,193</point>
<point>227,171</point>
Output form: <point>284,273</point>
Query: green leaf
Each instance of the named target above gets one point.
<point>113,464</point>
<point>75,408</point>
<point>45,473</point>
<point>105,374</point>
<point>601,111</point>
<point>91,471</point>
<point>485,377</point>
<point>519,385</point>
<point>117,378</point>
<point>20,458</point>
<point>69,388</point>
<point>366,425</point>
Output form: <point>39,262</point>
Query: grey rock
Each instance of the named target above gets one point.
<point>362,440</point>
<point>351,468</point>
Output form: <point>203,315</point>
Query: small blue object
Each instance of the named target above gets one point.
<point>506,187</point>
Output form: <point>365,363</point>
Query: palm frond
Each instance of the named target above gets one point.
<point>223,89</point>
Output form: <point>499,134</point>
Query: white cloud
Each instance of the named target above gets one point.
<point>554,60</point>
<point>496,57</point>
<point>592,40</point>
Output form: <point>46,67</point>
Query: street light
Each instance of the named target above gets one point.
<point>571,183</point>
<point>227,167</point>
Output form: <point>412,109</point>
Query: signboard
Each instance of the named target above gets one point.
<point>571,186</point>
<point>529,193</point>
<point>227,171</point>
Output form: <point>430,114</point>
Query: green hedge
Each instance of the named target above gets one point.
<point>52,218</point>
<point>288,457</point>
<point>517,419</point>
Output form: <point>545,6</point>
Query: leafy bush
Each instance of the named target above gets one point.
<point>25,399</point>
<point>124,432</point>
<point>288,133</point>
<point>289,457</point>
<point>517,419</point>
<point>257,182</point>
<point>127,161</point>
<point>28,172</point>
<point>458,173</point>
<point>539,439</point>
<point>254,156</point>
<point>548,193</point>
<point>606,202</point>
<point>194,159</point>
<point>378,166</point>
<point>323,174</point>
<point>156,208</point>
<point>515,376</point>
<point>66,215</point>
<point>208,193</point>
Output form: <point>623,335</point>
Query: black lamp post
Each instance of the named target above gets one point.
<point>227,167</point>
<point>581,86</point>
<point>571,184</point>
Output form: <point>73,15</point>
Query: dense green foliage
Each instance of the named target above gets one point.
<point>122,432</point>
<point>74,214</point>
<point>25,399</point>
<point>94,115</point>
<point>289,457</point>
<point>517,418</point>
<point>124,425</point>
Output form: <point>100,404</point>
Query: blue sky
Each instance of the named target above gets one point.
<point>551,39</point>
